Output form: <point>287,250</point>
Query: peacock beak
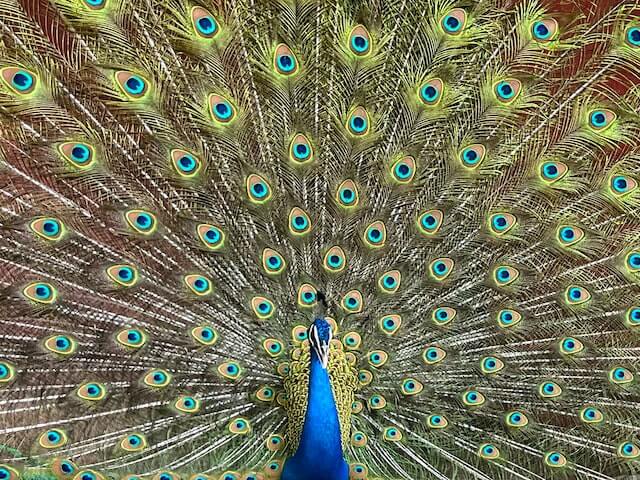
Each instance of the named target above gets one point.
<point>320,346</point>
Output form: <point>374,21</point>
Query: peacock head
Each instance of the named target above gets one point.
<point>320,336</point>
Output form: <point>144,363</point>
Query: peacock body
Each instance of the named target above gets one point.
<point>309,239</point>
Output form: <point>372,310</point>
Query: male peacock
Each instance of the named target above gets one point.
<point>319,239</point>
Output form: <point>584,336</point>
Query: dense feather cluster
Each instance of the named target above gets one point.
<point>182,183</point>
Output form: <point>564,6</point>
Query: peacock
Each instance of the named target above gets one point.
<point>319,239</point>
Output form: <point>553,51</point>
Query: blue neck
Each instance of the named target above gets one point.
<point>319,454</point>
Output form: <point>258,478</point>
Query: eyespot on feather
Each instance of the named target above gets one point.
<point>272,262</point>
<point>389,324</point>
<point>220,109</point>
<point>204,24</point>
<point>358,122</point>
<point>19,80</point>
<point>352,301</point>
<point>360,41</point>
<point>132,85</point>
<point>141,221</point>
<point>48,228</point>
<point>123,275</point>
<point>454,22</point>
<point>40,292</point>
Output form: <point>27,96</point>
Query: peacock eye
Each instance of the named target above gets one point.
<point>62,468</point>
<point>377,402</point>
<point>48,228</point>
<point>453,23</point>
<point>272,262</point>
<point>198,284</point>
<point>632,317</point>
<point>40,292</point>
<point>473,398</point>
<point>389,282</point>
<point>204,335</point>
<point>549,390</point>
<point>505,275</point>
<point>472,156</point>
<point>591,415</point>
<point>551,172</point>
<point>358,122</point>
<point>411,386</point>
<point>79,155</point>
<point>491,365</point>
<point>501,223</point>
<point>360,41</point>
<point>441,268</point>
<point>285,62</point>
<point>389,324</point>
<point>347,194</point>
<point>632,261</point>
<point>7,372</point>
<point>262,307</point>
<point>516,419</point>
<point>53,438</point>
<point>258,190</point>
<point>358,439</point>
<point>437,422</point>
<point>265,394</point>
<point>622,185</point>
<point>555,459</point>
<point>508,318</point>
<point>568,235</point>
<point>377,358</point>
<point>403,170</point>
<point>433,355</point>
<point>141,221</point>
<point>335,260</point>
<point>620,376</point>
<point>131,338</point>
<point>392,434</point>
<point>365,377</point>
<point>601,119</point>
<point>157,378</point>
<point>19,80</point>
<point>544,31</point>
<point>632,37</point>
<point>431,92</point>
<point>220,109</point>
<point>443,315</point>
<point>357,471</point>
<point>204,24</point>
<point>628,450</point>
<point>300,149</point>
<point>91,391</point>
<point>273,347</point>
<point>134,86</point>
<point>275,442</point>
<point>123,275</point>
<point>507,91</point>
<point>230,370</point>
<point>575,295</point>
<point>239,426</point>
<point>571,346</point>
<point>299,222</point>
<point>134,442</point>
<point>185,164</point>
<point>375,235</point>
<point>187,404</point>
<point>307,295</point>
<point>352,301</point>
<point>61,345</point>
<point>429,222</point>
<point>299,333</point>
<point>488,451</point>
